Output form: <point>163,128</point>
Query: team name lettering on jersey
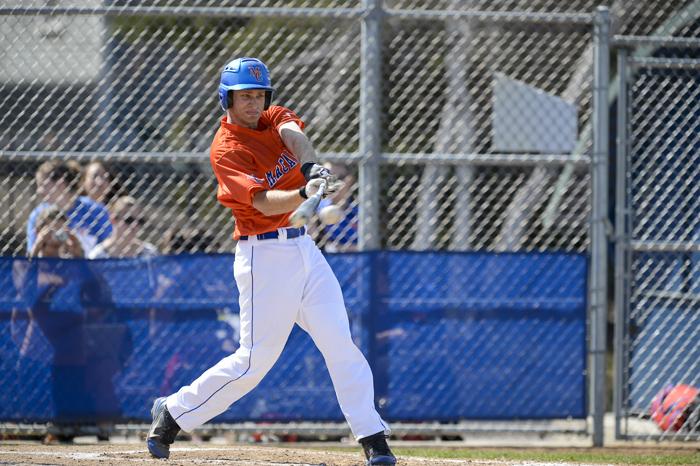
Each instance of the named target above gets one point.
<point>255,179</point>
<point>284,164</point>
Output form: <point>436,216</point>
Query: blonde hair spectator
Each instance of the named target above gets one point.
<point>127,222</point>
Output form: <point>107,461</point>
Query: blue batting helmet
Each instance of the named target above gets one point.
<point>244,73</point>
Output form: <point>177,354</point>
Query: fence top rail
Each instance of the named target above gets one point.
<point>659,41</point>
<point>394,158</point>
<point>668,63</point>
<point>486,159</point>
<point>38,156</point>
<point>122,156</point>
<point>183,11</point>
<point>493,16</point>
<point>665,246</point>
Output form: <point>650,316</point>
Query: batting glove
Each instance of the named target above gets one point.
<point>312,170</point>
<point>311,187</point>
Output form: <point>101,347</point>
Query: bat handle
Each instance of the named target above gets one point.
<point>322,188</point>
<point>307,208</point>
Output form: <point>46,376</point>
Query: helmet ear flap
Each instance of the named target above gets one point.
<point>222,98</point>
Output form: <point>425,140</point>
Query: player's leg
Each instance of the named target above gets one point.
<point>324,317</point>
<point>270,293</point>
<point>269,298</point>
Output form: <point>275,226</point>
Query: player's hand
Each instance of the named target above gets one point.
<point>313,171</point>
<point>332,185</point>
<point>312,187</point>
<point>73,246</point>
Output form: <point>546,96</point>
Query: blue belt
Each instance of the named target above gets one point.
<point>291,233</point>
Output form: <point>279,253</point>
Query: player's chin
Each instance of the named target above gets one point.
<point>253,117</point>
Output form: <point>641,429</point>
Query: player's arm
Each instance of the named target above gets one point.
<point>296,141</point>
<point>232,173</point>
<point>276,201</point>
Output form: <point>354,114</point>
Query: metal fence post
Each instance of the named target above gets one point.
<point>599,208</point>
<point>370,126</point>
<point>621,216</point>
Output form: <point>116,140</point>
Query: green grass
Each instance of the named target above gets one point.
<point>583,455</point>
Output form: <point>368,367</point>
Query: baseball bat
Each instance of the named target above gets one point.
<point>307,208</point>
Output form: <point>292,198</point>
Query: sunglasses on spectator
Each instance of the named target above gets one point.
<point>130,219</point>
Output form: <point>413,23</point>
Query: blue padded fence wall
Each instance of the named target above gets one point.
<point>449,336</point>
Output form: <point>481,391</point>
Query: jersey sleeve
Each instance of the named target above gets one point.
<point>233,172</point>
<point>276,116</point>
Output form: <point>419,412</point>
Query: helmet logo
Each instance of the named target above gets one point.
<point>256,72</point>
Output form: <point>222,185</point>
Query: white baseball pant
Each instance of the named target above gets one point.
<point>282,282</point>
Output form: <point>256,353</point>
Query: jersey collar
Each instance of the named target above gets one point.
<point>237,128</point>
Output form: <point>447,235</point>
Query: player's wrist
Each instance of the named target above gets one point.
<point>302,192</point>
<point>306,169</point>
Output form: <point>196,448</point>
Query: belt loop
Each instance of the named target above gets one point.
<point>282,234</point>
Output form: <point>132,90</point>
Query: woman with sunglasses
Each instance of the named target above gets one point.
<point>127,222</point>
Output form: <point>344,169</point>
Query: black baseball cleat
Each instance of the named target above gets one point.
<point>163,431</point>
<point>377,451</point>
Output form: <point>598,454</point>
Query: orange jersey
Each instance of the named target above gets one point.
<point>246,161</point>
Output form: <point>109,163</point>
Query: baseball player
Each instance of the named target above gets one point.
<point>264,165</point>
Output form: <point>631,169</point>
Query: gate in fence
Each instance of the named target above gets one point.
<point>657,342</point>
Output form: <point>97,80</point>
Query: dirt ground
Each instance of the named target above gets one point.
<point>189,453</point>
<point>33,453</point>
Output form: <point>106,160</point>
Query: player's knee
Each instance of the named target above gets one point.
<point>263,357</point>
<point>340,351</point>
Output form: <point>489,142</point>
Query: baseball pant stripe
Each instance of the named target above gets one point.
<point>252,326</point>
<point>293,284</point>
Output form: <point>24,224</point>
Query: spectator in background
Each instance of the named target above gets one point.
<point>53,236</point>
<point>188,241</point>
<point>343,236</point>
<point>63,328</point>
<point>127,221</point>
<point>90,344</point>
<point>58,184</point>
<point>97,183</point>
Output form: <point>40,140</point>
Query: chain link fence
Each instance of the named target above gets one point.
<point>483,112</point>
<point>658,320</point>
<point>133,85</point>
